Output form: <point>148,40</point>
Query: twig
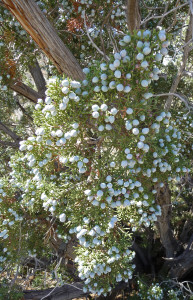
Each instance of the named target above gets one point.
<point>103,24</point>
<point>174,18</point>
<point>165,11</point>
<point>115,47</point>
<point>164,15</point>
<point>188,105</point>
<point>23,109</point>
<point>93,43</point>
<point>151,8</point>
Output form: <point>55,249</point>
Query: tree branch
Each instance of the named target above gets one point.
<point>38,78</point>
<point>165,10</point>
<point>188,105</point>
<point>9,132</point>
<point>43,33</point>
<point>93,43</point>
<point>151,8</point>
<point>66,292</point>
<point>163,15</point>
<point>24,90</point>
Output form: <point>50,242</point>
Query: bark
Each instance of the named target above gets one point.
<point>66,292</point>
<point>43,33</point>
<point>181,70</point>
<point>24,90</point>
<point>183,264</point>
<point>38,78</point>
<point>163,223</point>
<point>133,15</point>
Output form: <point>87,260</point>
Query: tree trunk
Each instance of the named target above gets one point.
<point>133,15</point>
<point>163,223</point>
<point>42,32</point>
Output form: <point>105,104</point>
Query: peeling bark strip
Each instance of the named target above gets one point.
<point>133,15</point>
<point>42,32</point>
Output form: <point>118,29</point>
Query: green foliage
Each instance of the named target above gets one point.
<point>102,150</point>
<point>62,171</point>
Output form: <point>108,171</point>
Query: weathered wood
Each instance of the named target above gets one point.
<point>43,33</point>
<point>24,90</point>
<point>183,264</point>
<point>133,15</point>
<point>66,292</point>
